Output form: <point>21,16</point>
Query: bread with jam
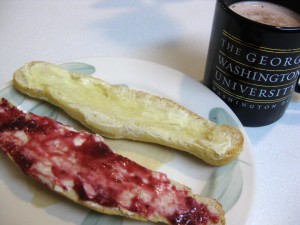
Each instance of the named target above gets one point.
<point>80,166</point>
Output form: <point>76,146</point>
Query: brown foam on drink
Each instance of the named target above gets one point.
<point>267,13</point>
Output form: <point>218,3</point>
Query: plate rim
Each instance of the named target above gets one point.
<point>247,140</point>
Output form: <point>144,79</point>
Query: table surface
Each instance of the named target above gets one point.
<point>173,33</point>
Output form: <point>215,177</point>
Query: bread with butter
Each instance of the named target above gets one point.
<point>115,111</point>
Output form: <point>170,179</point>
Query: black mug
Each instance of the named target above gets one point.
<point>253,67</point>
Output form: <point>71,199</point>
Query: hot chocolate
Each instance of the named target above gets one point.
<point>267,13</point>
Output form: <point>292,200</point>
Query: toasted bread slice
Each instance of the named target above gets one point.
<point>81,167</point>
<point>118,112</point>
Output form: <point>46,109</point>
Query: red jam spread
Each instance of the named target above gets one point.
<point>64,159</point>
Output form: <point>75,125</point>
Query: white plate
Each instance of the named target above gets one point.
<point>23,201</point>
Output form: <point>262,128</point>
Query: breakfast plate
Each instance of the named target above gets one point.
<point>233,185</point>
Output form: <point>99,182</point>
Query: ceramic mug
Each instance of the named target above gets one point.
<point>254,67</point>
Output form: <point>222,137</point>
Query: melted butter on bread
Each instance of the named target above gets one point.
<point>118,112</point>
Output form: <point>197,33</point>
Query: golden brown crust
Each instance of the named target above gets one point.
<point>215,144</point>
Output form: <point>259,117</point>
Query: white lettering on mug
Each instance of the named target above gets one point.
<point>276,61</point>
